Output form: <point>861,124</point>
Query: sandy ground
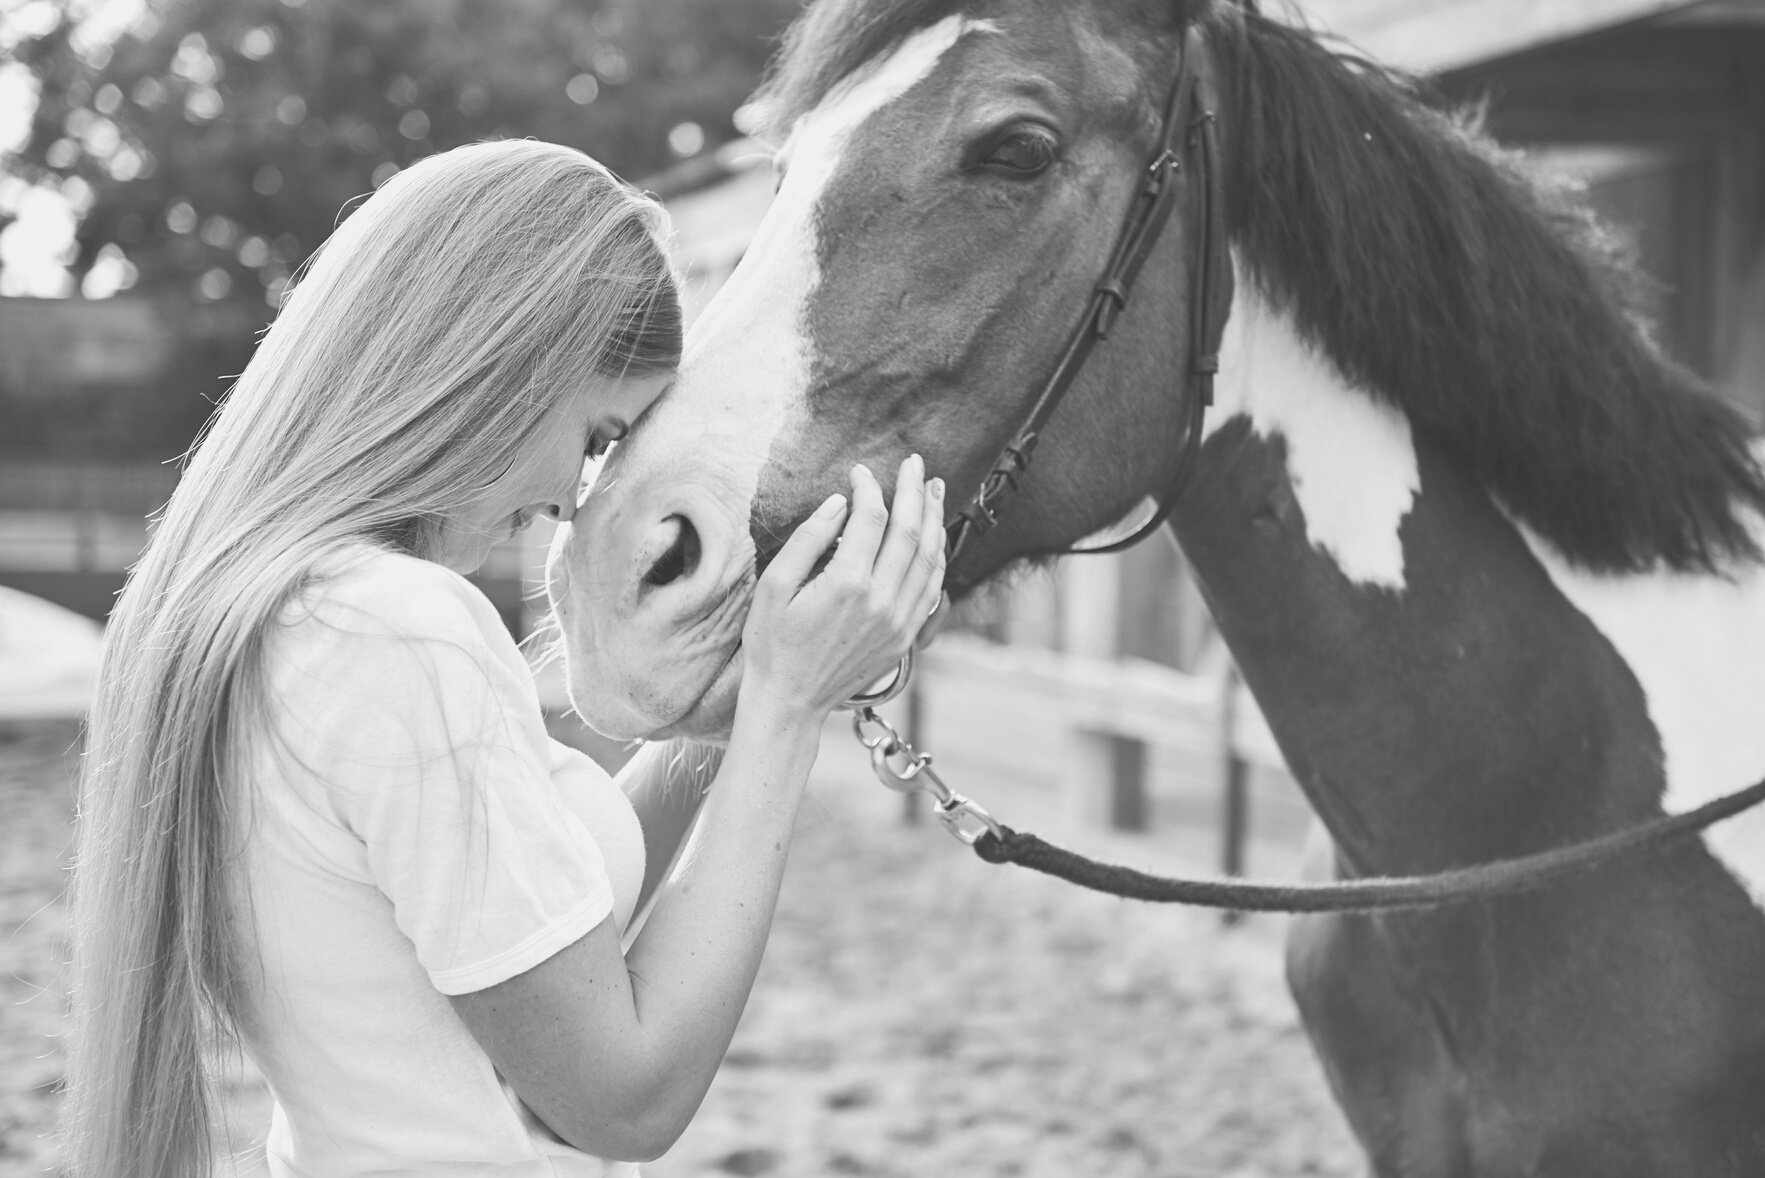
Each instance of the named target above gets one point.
<point>919,1013</point>
<point>36,805</point>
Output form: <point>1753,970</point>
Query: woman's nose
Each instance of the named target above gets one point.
<point>563,508</point>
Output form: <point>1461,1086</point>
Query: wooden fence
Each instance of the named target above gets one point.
<point>1090,744</point>
<point>69,530</point>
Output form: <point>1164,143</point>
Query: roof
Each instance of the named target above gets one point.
<point>1430,36</point>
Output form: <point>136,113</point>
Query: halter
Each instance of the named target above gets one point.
<point>1140,231</point>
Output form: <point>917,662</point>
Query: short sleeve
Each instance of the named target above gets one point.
<point>414,731</point>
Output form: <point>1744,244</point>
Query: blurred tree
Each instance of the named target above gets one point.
<point>212,146</point>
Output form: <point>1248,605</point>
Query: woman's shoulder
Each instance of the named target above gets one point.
<point>366,591</point>
<point>378,637</point>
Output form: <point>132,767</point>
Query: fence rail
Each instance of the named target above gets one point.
<point>1124,743</point>
<point>130,489</point>
<point>69,529</point>
<point>1128,697</point>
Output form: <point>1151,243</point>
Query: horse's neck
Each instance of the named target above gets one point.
<point>1445,688</point>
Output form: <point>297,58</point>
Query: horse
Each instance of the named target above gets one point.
<point>1488,559</point>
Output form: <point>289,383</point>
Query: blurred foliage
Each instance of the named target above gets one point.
<point>214,145</point>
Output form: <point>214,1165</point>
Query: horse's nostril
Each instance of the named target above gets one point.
<point>681,558</point>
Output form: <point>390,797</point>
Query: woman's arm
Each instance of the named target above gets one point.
<point>666,783</point>
<point>615,1053</point>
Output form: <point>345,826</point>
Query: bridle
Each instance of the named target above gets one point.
<point>903,768</point>
<point>1180,138</point>
<point>1144,223</point>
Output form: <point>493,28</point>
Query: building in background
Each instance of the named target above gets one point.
<point>1657,105</point>
<point>99,398</point>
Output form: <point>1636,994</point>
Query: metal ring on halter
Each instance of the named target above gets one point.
<point>906,780</point>
<point>874,699</point>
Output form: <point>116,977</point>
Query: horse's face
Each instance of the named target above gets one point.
<point>941,216</point>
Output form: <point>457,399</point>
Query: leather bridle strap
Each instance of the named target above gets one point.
<point>1140,232</point>
<point>1208,308</point>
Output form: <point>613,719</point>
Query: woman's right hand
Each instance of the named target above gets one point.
<point>812,642</point>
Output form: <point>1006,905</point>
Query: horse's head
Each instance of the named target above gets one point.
<point>952,179</point>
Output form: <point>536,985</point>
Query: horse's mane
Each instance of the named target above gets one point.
<point>1436,274</point>
<point>1485,304</point>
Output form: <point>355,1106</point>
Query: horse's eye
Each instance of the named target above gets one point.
<point>1026,152</point>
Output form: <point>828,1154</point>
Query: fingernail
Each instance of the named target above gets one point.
<point>915,460</point>
<point>831,504</point>
<point>936,488</point>
<point>861,467</point>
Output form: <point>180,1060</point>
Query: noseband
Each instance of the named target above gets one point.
<point>1180,138</point>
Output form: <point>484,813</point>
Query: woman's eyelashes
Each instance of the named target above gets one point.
<point>600,440</point>
<point>603,438</point>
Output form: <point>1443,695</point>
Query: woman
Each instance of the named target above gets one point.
<point>320,812</point>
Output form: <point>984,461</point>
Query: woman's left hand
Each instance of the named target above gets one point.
<point>813,640</point>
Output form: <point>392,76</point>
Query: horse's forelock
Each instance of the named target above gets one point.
<point>828,43</point>
<point>835,38</point>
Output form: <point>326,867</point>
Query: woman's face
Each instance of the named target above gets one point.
<point>546,478</point>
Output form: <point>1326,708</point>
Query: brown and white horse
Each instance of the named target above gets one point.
<point>1490,563</point>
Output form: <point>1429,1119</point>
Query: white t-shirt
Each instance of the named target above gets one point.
<point>410,832</point>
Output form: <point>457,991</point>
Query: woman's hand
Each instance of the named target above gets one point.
<point>812,642</point>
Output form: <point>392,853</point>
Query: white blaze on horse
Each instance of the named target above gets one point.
<point>1490,563</point>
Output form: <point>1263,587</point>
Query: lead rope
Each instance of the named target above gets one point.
<point>904,769</point>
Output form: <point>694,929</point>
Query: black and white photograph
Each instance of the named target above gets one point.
<point>882,588</point>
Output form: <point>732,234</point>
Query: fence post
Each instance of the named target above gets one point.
<point>1128,806</point>
<point>1235,824</point>
<point>912,809</point>
<point>1108,770</point>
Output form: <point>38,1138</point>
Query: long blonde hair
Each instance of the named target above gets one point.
<point>404,374</point>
